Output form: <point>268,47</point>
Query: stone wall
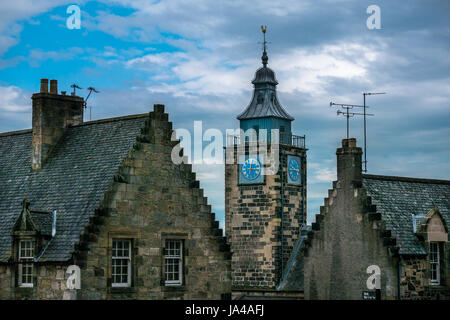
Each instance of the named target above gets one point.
<point>150,200</point>
<point>49,283</point>
<point>253,222</point>
<point>415,280</point>
<point>346,238</point>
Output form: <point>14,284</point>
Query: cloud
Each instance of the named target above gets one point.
<point>13,12</point>
<point>13,100</point>
<point>325,175</point>
<point>199,59</point>
<point>15,108</point>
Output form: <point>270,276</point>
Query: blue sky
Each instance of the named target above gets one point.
<point>198,58</point>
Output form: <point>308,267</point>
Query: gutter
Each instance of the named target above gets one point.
<point>398,277</point>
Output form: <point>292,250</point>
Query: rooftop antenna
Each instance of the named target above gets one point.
<point>75,86</point>
<point>264,57</point>
<point>91,89</point>
<point>348,114</point>
<point>365,142</point>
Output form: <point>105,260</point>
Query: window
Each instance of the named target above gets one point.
<point>173,262</point>
<point>26,256</point>
<point>283,137</point>
<point>121,263</point>
<point>435,262</point>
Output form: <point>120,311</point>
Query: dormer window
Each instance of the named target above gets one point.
<point>26,259</point>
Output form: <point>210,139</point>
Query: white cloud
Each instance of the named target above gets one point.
<point>12,99</point>
<point>325,175</point>
<point>12,12</point>
<point>309,71</point>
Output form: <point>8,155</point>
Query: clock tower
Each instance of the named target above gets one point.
<point>264,208</point>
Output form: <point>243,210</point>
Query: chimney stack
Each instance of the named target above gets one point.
<point>44,85</point>
<point>52,114</point>
<point>54,86</point>
<point>349,163</point>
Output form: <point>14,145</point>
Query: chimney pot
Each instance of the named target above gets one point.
<point>44,85</point>
<point>349,143</point>
<point>54,86</point>
<point>349,162</point>
<point>159,108</point>
<point>63,93</point>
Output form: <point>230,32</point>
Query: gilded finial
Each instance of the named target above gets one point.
<point>264,57</point>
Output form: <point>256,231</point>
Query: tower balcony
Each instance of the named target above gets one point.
<point>285,139</point>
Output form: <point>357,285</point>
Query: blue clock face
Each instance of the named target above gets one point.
<point>251,169</point>
<point>294,170</point>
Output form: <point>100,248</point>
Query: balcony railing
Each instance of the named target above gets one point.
<point>285,139</point>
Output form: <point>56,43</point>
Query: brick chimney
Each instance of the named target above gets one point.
<point>349,163</point>
<point>52,114</point>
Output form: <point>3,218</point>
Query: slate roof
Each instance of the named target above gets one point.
<point>264,101</point>
<point>44,221</point>
<point>72,181</point>
<point>293,277</point>
<point>397,198</point>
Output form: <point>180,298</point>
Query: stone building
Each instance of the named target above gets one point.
<point>397,224</point>
<point>265,192</point>
<point>105,196</point>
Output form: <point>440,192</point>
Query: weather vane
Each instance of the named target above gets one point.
<point>264,29</point>
<point>265,58</point>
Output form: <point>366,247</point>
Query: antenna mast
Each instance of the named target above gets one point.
<point>365,135</point>
<point>349,114</point>
<point>91,89</point>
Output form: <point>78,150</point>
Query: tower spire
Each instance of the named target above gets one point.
<point>264,57</point>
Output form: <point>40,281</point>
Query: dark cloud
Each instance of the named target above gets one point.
<point>198,59</point>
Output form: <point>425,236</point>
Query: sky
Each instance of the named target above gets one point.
<point>198,57</point>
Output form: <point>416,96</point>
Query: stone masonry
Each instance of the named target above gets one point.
<point>149,201</point>
<point>253,223</point>
<point>345,239</point>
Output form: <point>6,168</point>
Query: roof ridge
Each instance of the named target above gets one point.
<point>13,133</point>
<point>405,179</point>
<point>132,116</point>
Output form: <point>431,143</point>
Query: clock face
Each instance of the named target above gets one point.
<point>251,169</point>
<point>294,170</point>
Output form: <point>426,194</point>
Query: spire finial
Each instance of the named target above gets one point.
<point>264,57</point>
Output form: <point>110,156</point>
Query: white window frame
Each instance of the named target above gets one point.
<point>170,254</point>
<point>121,257</point>
<point>26,258</point>
<point>435,262</point>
